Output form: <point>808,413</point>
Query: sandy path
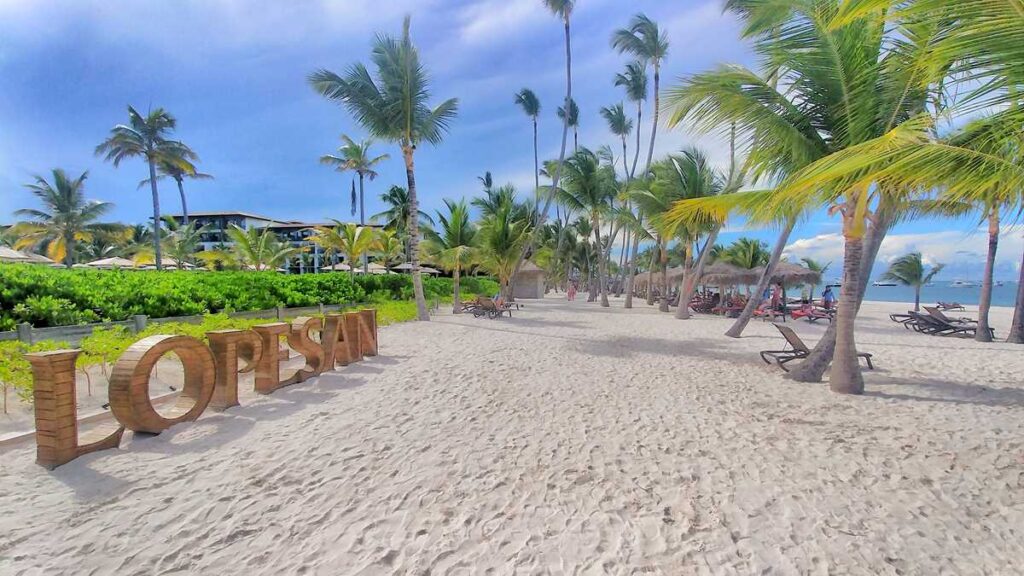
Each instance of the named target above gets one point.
<point>559,442</point>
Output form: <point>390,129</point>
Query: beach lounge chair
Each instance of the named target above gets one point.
<point>936,313</point>
<point>797,350</point>
<point>491,309</point>
<point>905,319</point>
<point>932,324</point>
<point>950,306</point>
<point>811,313</point>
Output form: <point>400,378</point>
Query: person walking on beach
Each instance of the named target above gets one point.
<point>828,299</point>
<point>571,292</point>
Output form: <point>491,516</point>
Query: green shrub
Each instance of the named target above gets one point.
<point>55,297</point>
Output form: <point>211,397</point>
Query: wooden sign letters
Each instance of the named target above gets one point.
<point>210,377</point>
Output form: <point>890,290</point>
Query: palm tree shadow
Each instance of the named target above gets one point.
<point>945,391</point>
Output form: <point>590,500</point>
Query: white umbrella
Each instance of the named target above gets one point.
<point>115,262</point>
<point>407,267</point>
<point>10,255</point>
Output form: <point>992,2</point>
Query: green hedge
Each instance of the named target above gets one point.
<point>58,297</point>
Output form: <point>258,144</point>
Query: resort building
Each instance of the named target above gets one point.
<point>296,233</point>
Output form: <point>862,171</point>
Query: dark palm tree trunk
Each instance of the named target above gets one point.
<point>456,297</point>
<point>631,272</point>
<point>413,226</point>
<point>654,123</point>
<point>184,202</point>
<point>736,330</point>
<point>983,334</point>
<point>69,250</point>
<point>845,376</point>
<point>536,174</point>
<point>362,222</point>
<point>663,304</point>
<point>602,264</point>
<point>636,153</point>
<point>1016,335</point>
<point>684,298</point>
<point>528,247</point>
<point>156,215</point>
<point>814,367</point>
<point>655,253</point>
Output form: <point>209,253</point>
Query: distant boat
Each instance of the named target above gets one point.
<point>999,283</point>
<point>962,284</point>
<point>881,283</point>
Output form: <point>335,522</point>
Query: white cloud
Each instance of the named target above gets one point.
<point>483,22</point>
<point>962,252</point>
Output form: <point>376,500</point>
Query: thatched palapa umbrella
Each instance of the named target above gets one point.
<point>724,274</point>
<point>789,273</point>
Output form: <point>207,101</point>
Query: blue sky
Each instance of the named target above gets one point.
<point>234,73</point>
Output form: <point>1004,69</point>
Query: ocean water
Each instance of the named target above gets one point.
<point>1005,295</point>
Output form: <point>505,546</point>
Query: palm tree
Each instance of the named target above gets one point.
<point>815,266</point>
<point>572,118</point>
<point>620,126</point>
<point>355,156</point>
<point>396,216</point>
<point>350,240</point>
<point>644,40</point>
<point>909,270</point>
<point>690,176</point>
<point>634,81</point>
<point>66,217</point>
<point>654,199</point>
<point>181,242</point>
<point>147,137</point>
<point>848,81</point>
<point>259,248</point>
<point>589,188</point>
<point>501,238</point>
<point>394,106</point>
<point>453,246</point>
<point>391,249</point>
<point>530,104</point>
<point>178,169</point>
<point>747,253</point>
<point>563,10</point>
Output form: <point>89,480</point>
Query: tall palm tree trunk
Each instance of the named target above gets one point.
<point>663,304</point>
<point>683,312</point>
<point>650,272</point>
<point>845,376</point>
<point>736,330</point>
<point>456,297</point>
<point>602,264</point>
<point>631,273</point>
<point>536,175</point>
<point>184,202</point>
<point>983,334</point>
<point>814,367</point>
<point>69,250</point>
<point>413,227</point>
<point>156,215</point>
<point>636,153</point>
<point>1016,335</point>
<point>654,122</point>
<point>362,222</point>
<point>528,247</point>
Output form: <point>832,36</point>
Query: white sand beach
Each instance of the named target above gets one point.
<point>569,439</point>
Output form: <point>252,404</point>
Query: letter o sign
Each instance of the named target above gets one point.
<point>129,383</point>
